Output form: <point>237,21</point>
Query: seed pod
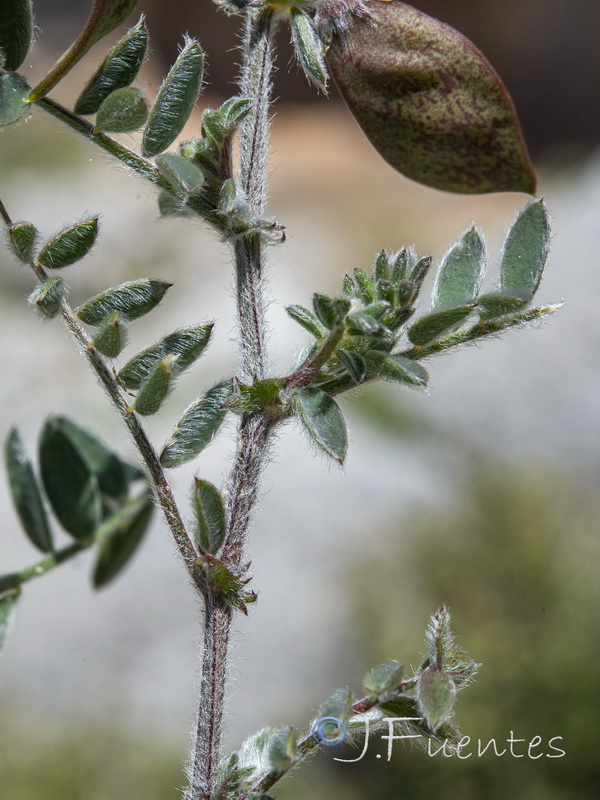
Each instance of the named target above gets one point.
<point>429,101</point>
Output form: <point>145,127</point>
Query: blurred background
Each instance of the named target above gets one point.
<point>481,493</point>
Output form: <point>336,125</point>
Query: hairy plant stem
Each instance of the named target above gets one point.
<point>254,430</point>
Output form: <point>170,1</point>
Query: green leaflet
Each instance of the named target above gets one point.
<point>396,368</point>
<point>71,487</point>
<point>69,245</point>
<point>154,390</point>
<point>111,335</point>
<point>105,16</point>
<point>133,299</point>
<point>16,31</point>
<point>525,252</point>
<point>118,70</point>
<point>210,516</point>
<point>187,344</point>
<point>429,101</point>
<point>123,111</point>
<point>175,100</point>
<point>197,427</point>
<point>111,473</point>
<point>309,47</point>
<point>461,272</point>
<point>48,297</point>
<point>120,544</point>
<point>308,320</point>
<point>322,419</point>
<point>436,694</point>
<point>23,237</point>
<point>432,326</point>
<point>26,494</point>
<point>14,92</point>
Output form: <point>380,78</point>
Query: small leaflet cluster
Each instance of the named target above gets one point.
<point>428,697</point>
<point>367,332</point>
<point>88,488</point>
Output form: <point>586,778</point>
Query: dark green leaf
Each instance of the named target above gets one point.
<point>308,320</point>
<point>111,473</point>
<point>23,237</point>
<point>48,297</point>
<point>197,427</point>
<point>436,694</point>
<point>71,487</point>
<point>210,516</point>
<point>382,270</point>
<point>26,494</point>
<point>156,387</point>
<point>323,421</point>
<point>429,101</point>
<point>118,70</point>
<point>105,16</point>
<point>175,100</point>
<point>16,32</point>
<point>525,252</point>
<point>120,544</point>
<point>14,93</point>
<point>309,47</point>
<point>111,336</point>
<point>404,262</point>
<point>133,299</point>
<point>432,326</point>
<point>69,245</point>
<point>461,272</point>
<point>396,368</point>
<point>187,344</point>
<point>7,615</point>
<point>123,111</point>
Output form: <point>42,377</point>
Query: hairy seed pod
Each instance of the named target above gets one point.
<point>429,101</point>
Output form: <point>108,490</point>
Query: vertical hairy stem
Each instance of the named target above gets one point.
<point>254,430</point>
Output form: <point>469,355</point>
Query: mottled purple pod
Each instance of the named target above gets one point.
<point>429,101</point>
